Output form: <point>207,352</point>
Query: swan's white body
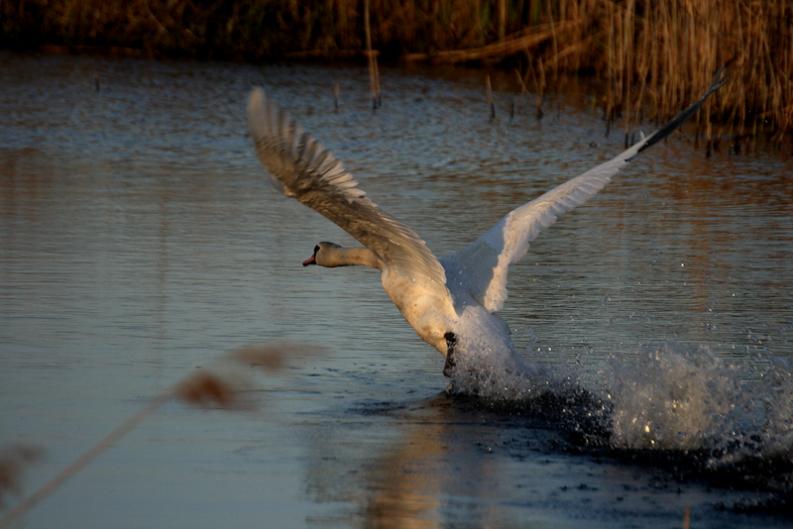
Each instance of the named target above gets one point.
<point>459,294</point>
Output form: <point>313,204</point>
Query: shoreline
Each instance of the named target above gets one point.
<point>650,59</point>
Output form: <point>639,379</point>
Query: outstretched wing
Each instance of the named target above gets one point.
<point>303,169</point>
<point>481,267</point>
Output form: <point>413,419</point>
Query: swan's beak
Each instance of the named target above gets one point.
<point>310,261</point>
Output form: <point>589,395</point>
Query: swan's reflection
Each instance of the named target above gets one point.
<point>432,464</point>
<point>449,463</point>
<point>435,473</point>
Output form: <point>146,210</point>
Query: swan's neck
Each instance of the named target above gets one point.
<point>350,256</point>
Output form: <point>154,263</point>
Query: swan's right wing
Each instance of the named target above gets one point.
<point>303,169</point>
<point>481,267</point>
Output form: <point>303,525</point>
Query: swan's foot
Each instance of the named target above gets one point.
<point>451,342</point>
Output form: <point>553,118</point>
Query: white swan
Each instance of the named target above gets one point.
<point>450,301</point>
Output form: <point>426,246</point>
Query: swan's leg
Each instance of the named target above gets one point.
<point>451,342</point>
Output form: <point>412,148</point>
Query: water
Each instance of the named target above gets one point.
<point>141,240</point>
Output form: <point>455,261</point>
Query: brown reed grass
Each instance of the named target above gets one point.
<point>14,460</point>
<point>651,58</point>
<point>489,98</point>
<point>648,58</point>
<point>273,358</point>
<point>220,387</point>
<point>206,389</point>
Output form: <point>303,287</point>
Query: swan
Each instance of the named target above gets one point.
<point>449,302</point>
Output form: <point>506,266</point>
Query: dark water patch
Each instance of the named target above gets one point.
<point>780,504</point>
<point>577,413</point>
<point>553,459</point>
<point>382,408</point>
<point>771,474</point>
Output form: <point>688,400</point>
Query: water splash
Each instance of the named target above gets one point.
<point>667,398</point>
<point>673,400</point>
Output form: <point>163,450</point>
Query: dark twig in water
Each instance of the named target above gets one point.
<point>378,94</point>
<point>374,81</point>
<point>539,87</point>
<point>489,98</point>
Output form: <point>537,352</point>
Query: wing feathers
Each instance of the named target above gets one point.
<point>302,168</point>
<point>481,268</point>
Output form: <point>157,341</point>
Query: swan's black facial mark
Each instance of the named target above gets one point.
<point>313,259</point>
<point>451,342</point>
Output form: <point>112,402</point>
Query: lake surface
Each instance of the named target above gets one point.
<point>140,239</point>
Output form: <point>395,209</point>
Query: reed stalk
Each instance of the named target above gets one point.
<point>371,58</point>
<point>489,98</point>
<point>213,388</point>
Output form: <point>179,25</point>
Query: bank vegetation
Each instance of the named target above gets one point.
<point>647,58</point>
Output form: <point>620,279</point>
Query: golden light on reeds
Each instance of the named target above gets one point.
<point>224,386</point>
<point>648,58</point>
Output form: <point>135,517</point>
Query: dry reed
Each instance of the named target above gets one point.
<point>648,58</point>
<point>221,387</point>
<point>13,461</point>
<point>206,389</point>
<point>374,84</point>
<point>489,98</point>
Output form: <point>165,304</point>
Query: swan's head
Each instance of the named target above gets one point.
<point>325,254</point>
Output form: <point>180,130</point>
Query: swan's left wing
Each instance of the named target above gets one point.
<point>303,169</point>
<point>481,267</point>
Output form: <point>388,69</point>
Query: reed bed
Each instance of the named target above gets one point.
<point>648,58</point>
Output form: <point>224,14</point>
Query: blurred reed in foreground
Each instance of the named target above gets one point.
<point>649,58</point>
<point>13,460</point>
<point>225,386</point>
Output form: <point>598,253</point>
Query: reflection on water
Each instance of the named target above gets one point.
<point>140,238</point>
<point>455,464</point>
